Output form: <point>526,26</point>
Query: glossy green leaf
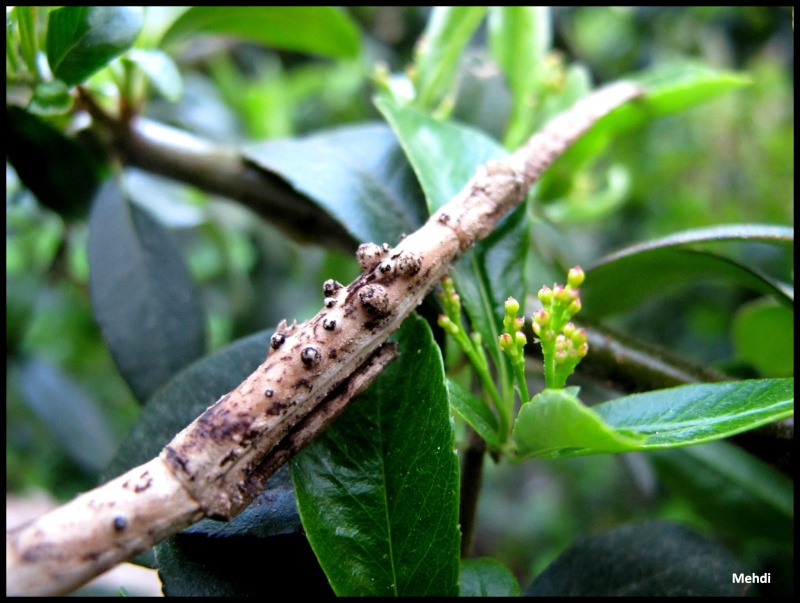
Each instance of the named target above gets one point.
<point>319,30</point>
<point>692,414</point>
<point>356,173</point>
<point>486,577</point>
<point>160,69</point>
<point>623,279</point>
<point>439,53</point>
<point>519,39</point>
<point>58,170</point>
<point>444,156</point>
<point>648,559</point>
<point>475,412</point>
<point>763,336</point>
<point>556,424</point>
<point>143,296</point>
<point>75,419</point>
<point>378,491</point>
<point>81,40</point>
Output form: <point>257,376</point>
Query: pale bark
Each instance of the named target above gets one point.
<point>218,464</point>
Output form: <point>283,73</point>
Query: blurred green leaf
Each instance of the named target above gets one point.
<point>763,336</point>
<point>623,279</point>
<point>556,424</point>
<point>81,40</point>
<point>143,296</point>
<point>160,69</point>
<point>73,417</point>
<point>320,30</point>
<point>486,577</point>
<point>356,173</point>
<point>519,39</point>
<point>438,52</point>
<point>58,170</point>
<point>378,491</point>
<point>648,559</point>
<point>51,98</point>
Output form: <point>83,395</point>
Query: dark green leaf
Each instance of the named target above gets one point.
<point>622,279</point>
<point>320,30</point>
<point>763,336</point>
<point>143,295</point>
<point>72,416</point>
<point>649,559</point>
<point>356,173</point>
<point>378,491</point>
<point>734,491</point>
<point>81,40</point>
<point>58,170</point>
<point>475,412</point>
<point>486,577</point>
<point>447,33</point>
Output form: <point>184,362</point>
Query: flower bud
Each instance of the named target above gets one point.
<point>578,337</point>
<point>512,306</point>
<point>575,277</point>
<point>505,342</point>
<point>558,293</point>
<point>448,325</point>
<point>519,339</point>
<point>537,328</point>
<point>561,356</point>
<point>519,323</point>
<point>574,307</point>
<point>583,350</point>
<point>546,295</point>
<point>569,329</point>
<point>541,317</point>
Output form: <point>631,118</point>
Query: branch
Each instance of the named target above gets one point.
<point>216,466</point>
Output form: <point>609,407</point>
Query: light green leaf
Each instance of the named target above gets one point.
<point>81,40</point>
<point>556,424</point>
<point>378,491</point>
<point>160,69</point>
<point>51,98</point>
<point>486,577</point>
<point>319,30</point>
<point>763,336</point>
<point>439,51</point>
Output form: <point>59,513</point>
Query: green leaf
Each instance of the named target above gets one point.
<point>648,559</point>
<point>81,40</point>
<point>75,419</point>
<point>319,30</point>
<point>668,91</point>
<point>736,492</point>
<point>486,577</point>
<point>444,156</point>
<point>475,412</point>
<point>59,171</point>
<point>378,491</point>
<point>439,51</point>
<point>693,414</point>
<point>519,39</point>
<point>160,69</point>
<point>356,173</point>
<point>763,336</point>
<point>51,98</point>
<point>556,424</point>
<point>143,296</point>
<point>622,279</point>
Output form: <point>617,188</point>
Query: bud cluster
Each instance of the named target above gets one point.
<point>512,342</point>
<point>563,344</point>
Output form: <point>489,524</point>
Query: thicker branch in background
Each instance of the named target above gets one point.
<point>219,457</point>
<point>176,154</point>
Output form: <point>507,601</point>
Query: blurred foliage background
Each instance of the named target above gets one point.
<point>730,160</point>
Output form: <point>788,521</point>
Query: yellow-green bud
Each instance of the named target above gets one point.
<point>569,329</point>
<point>575,277</point>
<point>448,325</point>
<point>519,339</point>
<point>506,342</point>
<point>512,306</point>
<point>545,295</point>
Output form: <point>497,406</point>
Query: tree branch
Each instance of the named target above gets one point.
<point>216,465</point>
